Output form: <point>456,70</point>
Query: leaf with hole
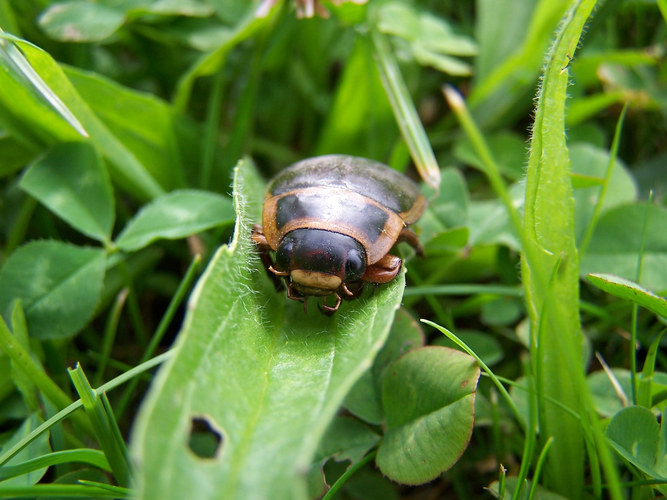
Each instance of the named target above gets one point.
<point>262,373</point>
<point>73,183</point>
<point>59,285</point>
<point>428,397</point>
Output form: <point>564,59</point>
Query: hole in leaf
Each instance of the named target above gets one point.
<point>205,440</point>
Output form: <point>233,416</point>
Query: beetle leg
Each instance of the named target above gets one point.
<point>347,290</point>
<point>384,270</point>
<point>410,237</point>
<point>329,310</point>
<point>263,247</point>
<point>352,290</point>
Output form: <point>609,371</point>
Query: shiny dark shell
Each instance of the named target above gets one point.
<point>360,198</point>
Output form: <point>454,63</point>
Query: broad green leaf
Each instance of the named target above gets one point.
<point>631,291</point>
<point>58,284</point>
<point>195,8</point>
<point>489,222</point>
<point>124,166</point>
<point>15,155</point>
<point>35,449</point>
<point>365,398</point>
<point>428,398</point>
<point>143,123</point>
<point>589,162</point>
<point>74,184</point>
<point>262,373</point>
<point>614,247</point>
<point>635,434</point>
<point>80,21</point>
<point>429,33</point>
<point>441,62</point>
<point>508,149</point>
<point>449,209</point>
<point>347,439</point>
<point>176,215</point>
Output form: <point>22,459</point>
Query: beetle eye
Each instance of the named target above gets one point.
<point>355,265</point>
<point>284,254</point>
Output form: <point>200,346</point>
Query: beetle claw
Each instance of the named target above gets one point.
<point>329,310</point>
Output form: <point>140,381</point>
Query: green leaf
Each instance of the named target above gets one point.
<point>428,397</point>
<point>142,122</point>
<point>15,155</point>
<point>365,398</point>
<point>508,149</point>
<point>631,291</point>
<point>258,371</point>
<point>30,110</point>
<point>80,21</point>
<point>58,284</point>
<point>441,62</point>
<point>124,166</point>
<point>589,163</point>
<point>74,184</point>
<point>176,215</point>
<point>347,439</point>
<point>605,396</point>
<point>614,251</point>
<point>37,448</point>
<point>635,434</point>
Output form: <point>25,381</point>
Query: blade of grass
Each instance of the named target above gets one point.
<point>605,184</point>
<point>110,335</point>
<point>85,456</point>
<point>24,362</point>
<point>538,467</point>
<point>181,292</point>
<point>463,289</point>
<point>62,490</point>
<point>212,62</point>
<point>487,370</point>
<point>644,389</point>
<point>104,426</point>
<point>480,146</point>
<point>635,306</point>
<point>211,129</point>
<point>329,495</point>
<point>405,112</point>
<point>69,410</point>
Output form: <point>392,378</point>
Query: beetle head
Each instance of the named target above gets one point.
<point>320,261</point>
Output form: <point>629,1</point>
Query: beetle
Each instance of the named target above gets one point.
<point>331,221</point>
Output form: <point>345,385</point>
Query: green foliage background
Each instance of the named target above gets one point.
<point>136,137</point>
